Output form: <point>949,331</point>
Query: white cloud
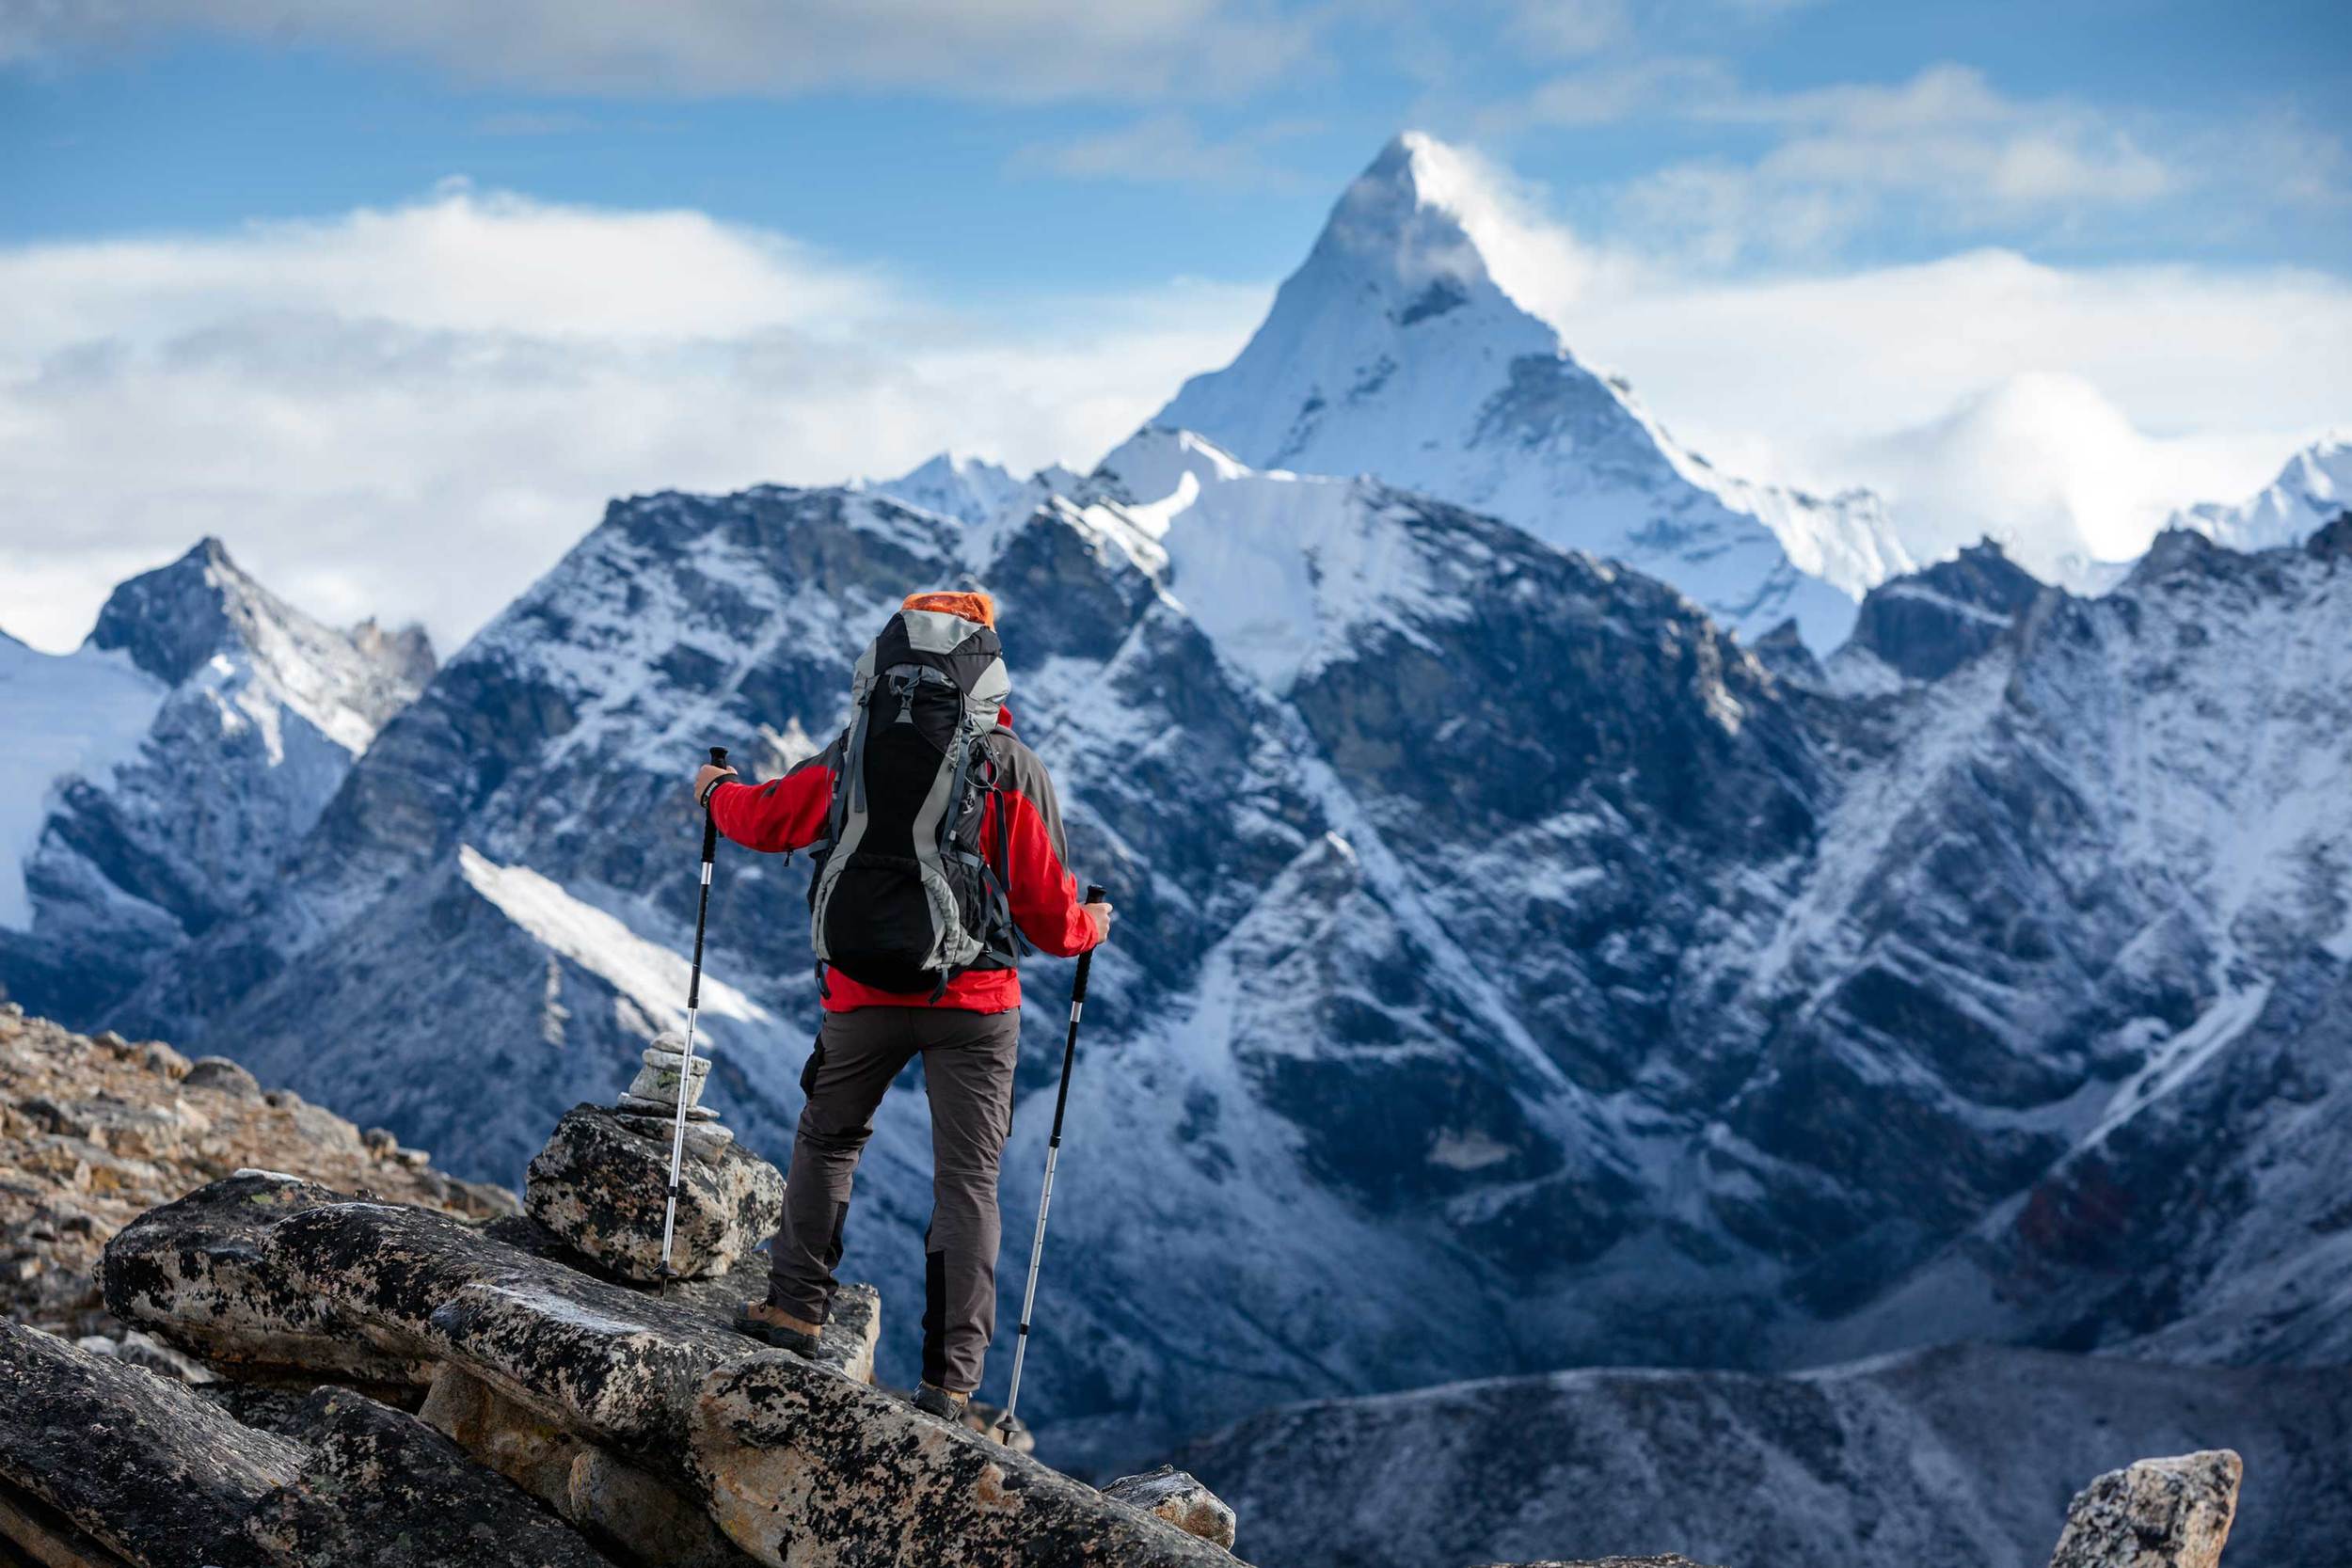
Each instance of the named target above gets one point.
<point>413,411</point>
<point>1568,28</point>
<point>1167,149</point>
<point>2069,410</point>
<point>1006,49</point>
<point>1943,153</point>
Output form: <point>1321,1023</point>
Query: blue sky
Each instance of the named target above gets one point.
<point>174,124</point>
<point>426,274</point>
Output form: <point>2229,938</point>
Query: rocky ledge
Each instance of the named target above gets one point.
<point>95,1130</point>
<point>649,1426</point>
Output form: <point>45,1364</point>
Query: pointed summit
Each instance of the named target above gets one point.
<point>203,611</point>
<point>1399,230</point>
<point>1392,350</point>
<point>169,621</point>
<point>969,489</point>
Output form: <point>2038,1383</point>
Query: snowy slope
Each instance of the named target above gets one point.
<point>514,854</point>
<point>2312,490</point>
<point>968,489</point>
<point>1494,932</point>
<point>1393,352</point>
<point>169,765</point>
<point>1944,1458</point>
<point>75,713</point>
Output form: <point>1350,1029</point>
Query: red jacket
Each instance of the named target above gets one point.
<point>789,814</point>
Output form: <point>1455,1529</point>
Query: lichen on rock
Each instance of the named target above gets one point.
<point>2156,1513</point>
<point>602,1180</point>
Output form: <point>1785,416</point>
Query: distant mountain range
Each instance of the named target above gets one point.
<point>1532,952</point>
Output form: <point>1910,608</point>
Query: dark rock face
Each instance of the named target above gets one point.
<point>139,1463</point>
<point>380,1487</point>
<point>169,621</point>
<point>1928,623</point>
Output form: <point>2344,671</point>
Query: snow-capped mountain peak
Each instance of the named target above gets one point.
<point>1393,351</point>
<point>167,764</point>
<point>2312,490</point>
<point>968,489</point>
<point>203,613</point>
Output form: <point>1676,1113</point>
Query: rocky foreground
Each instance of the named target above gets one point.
<point>95,1131</point>
<point>271,1371</point>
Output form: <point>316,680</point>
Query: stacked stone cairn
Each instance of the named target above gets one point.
<point>602,1181</point>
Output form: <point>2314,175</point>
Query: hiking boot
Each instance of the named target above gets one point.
<point>931,1399</point>
<point>773,1325</point>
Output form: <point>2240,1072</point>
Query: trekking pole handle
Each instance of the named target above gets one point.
<point>710,823</point>
<point>1085,963</point>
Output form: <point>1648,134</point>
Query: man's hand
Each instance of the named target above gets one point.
<point>706,775</point>
<point>1101,914</point>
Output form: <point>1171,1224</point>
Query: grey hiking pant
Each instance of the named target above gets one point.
<point>967,1070</point>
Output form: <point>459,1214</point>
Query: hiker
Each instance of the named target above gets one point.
<point>938,849</point>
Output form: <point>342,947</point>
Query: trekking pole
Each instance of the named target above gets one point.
<point>693,1000</point>
<point>1045,1195</point>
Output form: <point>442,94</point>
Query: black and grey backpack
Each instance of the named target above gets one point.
<point>903,899</point>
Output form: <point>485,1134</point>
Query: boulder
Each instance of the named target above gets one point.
<point>806,1467</point>
<point>509,1436</point>
<point>601,1185</point>
<point>219,1072</point>
<point>191,1273</point>
<point>379,1487</point>
<point>1178,1497</point>
<point>601,1359</point>
<point>42,1535</point>
<point>2157,1513</point>
<point>852,1332</point>
<point>142,1464</point>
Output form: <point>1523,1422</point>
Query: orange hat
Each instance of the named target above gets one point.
<point>972,607</point>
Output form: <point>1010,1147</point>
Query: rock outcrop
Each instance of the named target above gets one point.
<point>2157,1513</point>
<point>601,1180</point>
<point>130,1460</point>
<point>1177,1497</point>
<point>101,1463</point>
<point>638,1419</point>
<point>96,1131</point>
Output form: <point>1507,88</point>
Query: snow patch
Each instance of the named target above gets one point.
<point>65,716</point>
<point>647,974</point>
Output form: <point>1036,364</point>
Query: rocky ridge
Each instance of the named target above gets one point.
<point>96,1131</point>
<point>1959,1455</point>
<point>178,757</point>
